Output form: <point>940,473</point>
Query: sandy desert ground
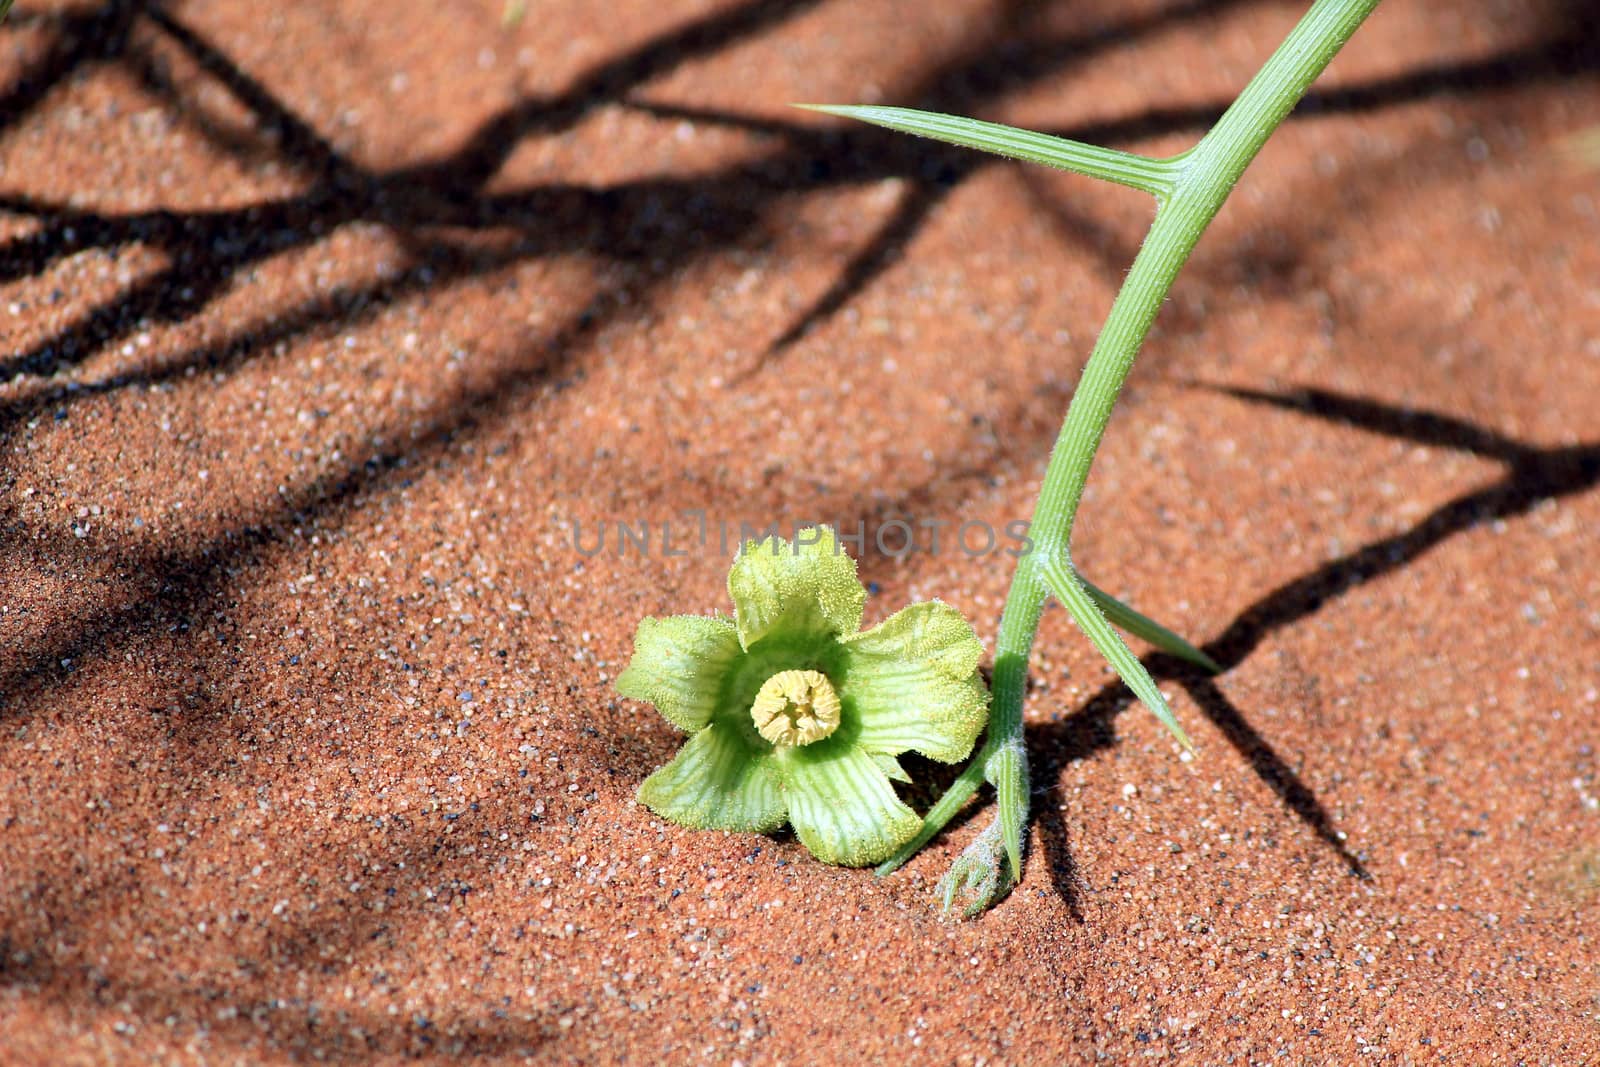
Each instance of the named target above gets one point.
<point>322,325</point>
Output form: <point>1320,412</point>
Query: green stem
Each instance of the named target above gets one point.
<point>1203,180</point>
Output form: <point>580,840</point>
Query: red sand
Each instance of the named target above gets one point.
<point>322,325</point>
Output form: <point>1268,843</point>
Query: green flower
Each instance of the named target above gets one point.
<point>795,715</point>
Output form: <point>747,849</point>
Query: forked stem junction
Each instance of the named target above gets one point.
<point>1189,189</point>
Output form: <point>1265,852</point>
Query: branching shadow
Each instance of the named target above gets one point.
<point>1532,475</point>
<point>79,41</point>
<point>916,205</point>
<point>487,150</point>
<point>176,592</point>
<point>675,220</point>
<point>182,586</point>
<point>556,218</point>
<point>208,249</point>
<point>1571,48</point>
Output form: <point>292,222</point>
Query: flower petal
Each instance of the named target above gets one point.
<point>890,767</point>
<point>912,682</point>
<point>717,781</point>
<point>842,807</point>
<point>679,665</point>
<point>802,590</point>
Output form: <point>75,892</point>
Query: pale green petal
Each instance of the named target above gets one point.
<point>890,767</point>
<point>718,781</point>
<point>679,665</point>
<point>842,807</point>
<point>807,589</point>
<point>912,682</point>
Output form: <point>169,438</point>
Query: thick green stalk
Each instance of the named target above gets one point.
<point>1203,179</point>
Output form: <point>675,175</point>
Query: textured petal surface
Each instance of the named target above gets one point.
<point>800,590</point>
<point>679,665</point>
<point>912,682</point>
<point>890,767</point>
<point>717,782</point>
<point>843,807</point>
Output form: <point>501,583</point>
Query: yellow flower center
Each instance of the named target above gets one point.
<point>796,708</point>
